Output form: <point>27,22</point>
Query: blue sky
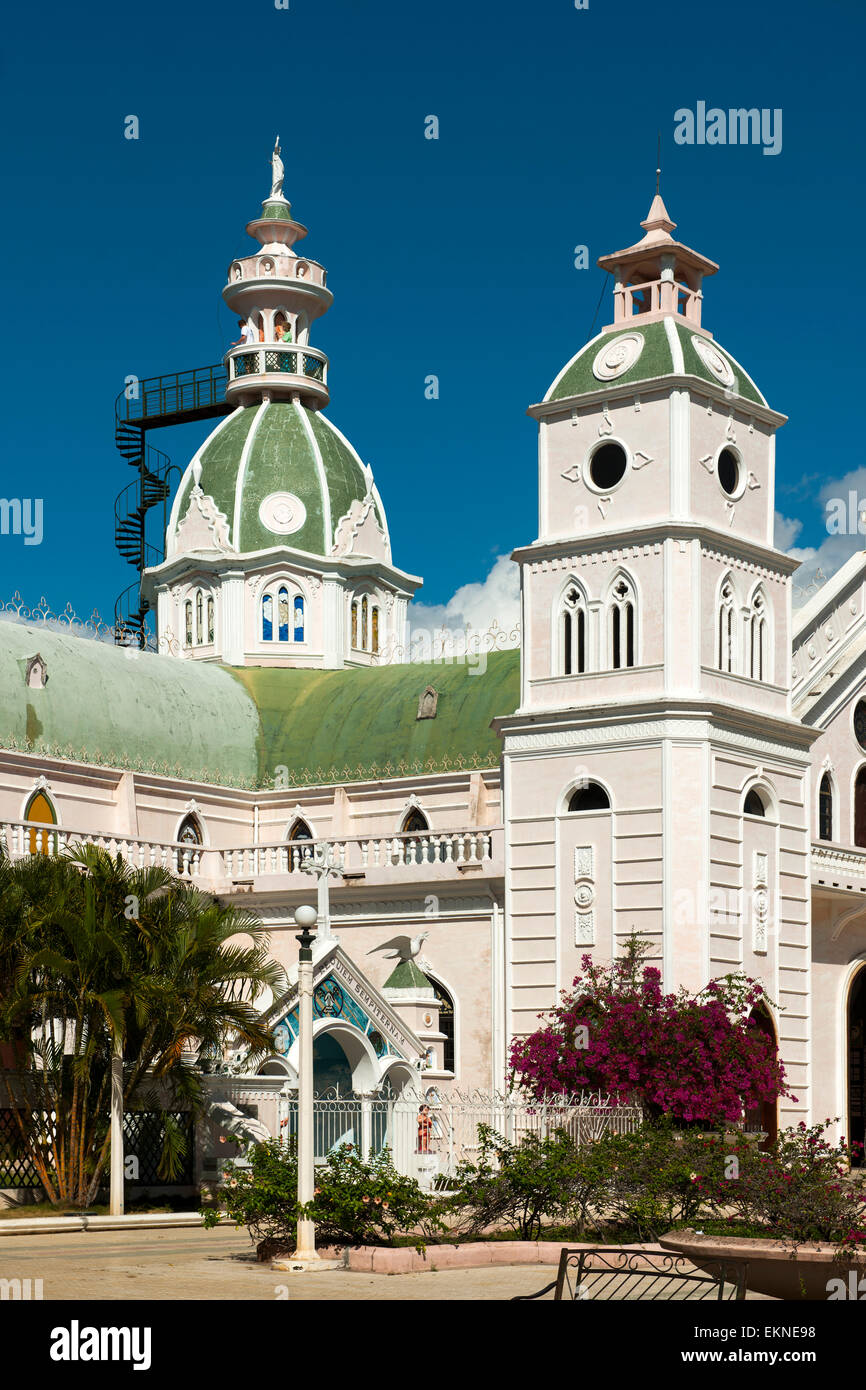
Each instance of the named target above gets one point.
<point>451,257</point>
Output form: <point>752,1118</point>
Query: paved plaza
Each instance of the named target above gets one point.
<point>190,1263</point>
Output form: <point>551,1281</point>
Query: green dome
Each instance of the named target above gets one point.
<point>660,355</point>
<point>261,452</point>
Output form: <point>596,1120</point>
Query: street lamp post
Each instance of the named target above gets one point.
<point>306,1237</point>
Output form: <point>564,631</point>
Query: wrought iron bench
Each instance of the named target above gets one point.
<point>607,1273</point>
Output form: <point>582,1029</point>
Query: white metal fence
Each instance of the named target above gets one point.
<point>429,1134</point>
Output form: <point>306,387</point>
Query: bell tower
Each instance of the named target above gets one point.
<point>655,780</point>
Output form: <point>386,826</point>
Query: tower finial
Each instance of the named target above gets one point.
<point>659,165</point>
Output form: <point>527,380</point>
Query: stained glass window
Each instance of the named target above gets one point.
<point>283,614</point>
<point>363,624</point>
<point>267,618</point>
<point>299,618</point>
<point>355,624</point>
<point>188,621</point>
<point>374,626</point>
<point>210,619</point>
<point>199,624</point>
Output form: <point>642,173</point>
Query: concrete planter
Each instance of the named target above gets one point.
<point>775,1267</point>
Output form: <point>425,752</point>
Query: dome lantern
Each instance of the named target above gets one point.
<point>277,295</point>
<point>657,276</point>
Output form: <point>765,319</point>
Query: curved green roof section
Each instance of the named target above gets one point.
<point>280,446</point>
<point>656,359</point>
<point>247,726</point>
<point>124,708</point>
<point>343,726</point>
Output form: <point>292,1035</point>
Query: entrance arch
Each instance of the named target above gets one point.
<point>764,1114</point>
<point>856,1038</point>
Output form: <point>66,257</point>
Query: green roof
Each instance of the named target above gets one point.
<point>655,360</point>
<point>241,726</point>
<point>407,975</point>
<point>281,446</point>
<point>342,726</point>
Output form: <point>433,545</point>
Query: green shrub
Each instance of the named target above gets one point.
<point>354,1203</point>
<point>517,1185</point>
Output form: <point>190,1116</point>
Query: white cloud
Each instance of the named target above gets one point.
<point>478,605</point>
<point>841,500</point>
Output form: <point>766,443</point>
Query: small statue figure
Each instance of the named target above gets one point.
<point>277,171</point>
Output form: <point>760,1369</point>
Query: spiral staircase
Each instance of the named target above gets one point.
<point>155,403</point>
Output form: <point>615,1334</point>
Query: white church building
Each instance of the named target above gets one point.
<point>671,750</point>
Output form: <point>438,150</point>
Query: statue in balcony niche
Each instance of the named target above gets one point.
<point>278,172</point>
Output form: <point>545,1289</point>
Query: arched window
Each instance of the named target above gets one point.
<point>282,611</point>
<point>825,808</point>
<point>188,622</point>
<point>374,630</point>
<point>573,633</point>
<point>756,635</point>
<point>299,830</point>
<point>210,618</point>
<point>754,804</point>
<point>860,809</point>
<point>354,624</point>
<point>189,835</point>
<point>415,822</point>
<point>446,1023</point>
<point>199,618</point>
<point>364,624</point>
<point>283,614</point>
<point>366,621</point>
<point>727,632</point>
<point>622,625</point>
<point>590,797</point>
<point>40,810</point>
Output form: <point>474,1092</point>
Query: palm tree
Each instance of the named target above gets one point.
<point>108,962</point>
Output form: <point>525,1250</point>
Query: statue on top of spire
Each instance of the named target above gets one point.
<point>278,171</point>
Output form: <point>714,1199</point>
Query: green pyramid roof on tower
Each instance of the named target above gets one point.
<point>407,975</point>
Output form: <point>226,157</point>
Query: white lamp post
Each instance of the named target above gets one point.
<point>306,1245</point>
<point>116,1162</point>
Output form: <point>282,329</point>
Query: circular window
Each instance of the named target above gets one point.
<point>860,723</point>
<point>729,471</point>
<point>607,466</point>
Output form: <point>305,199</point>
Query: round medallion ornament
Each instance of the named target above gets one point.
<point>860,723</point>
<point>282,513</point>
<point>713,361</point>
<point>282,1039</point>
<point>614,359</point>
<point>584,895</point>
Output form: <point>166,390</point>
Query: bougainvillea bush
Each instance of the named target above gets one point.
<point>696,1058</point>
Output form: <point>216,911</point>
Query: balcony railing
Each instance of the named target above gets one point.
<point>462,850</point>
<point>21,838</point>
<point>838,868</point>
<point>465,849</point>
<point>269,359</point>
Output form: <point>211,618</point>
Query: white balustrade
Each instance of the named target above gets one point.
<point>21,838</point>
<point>465,848</point>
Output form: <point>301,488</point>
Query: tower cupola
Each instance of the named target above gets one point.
<point>277,295</point>
<point>657,277</point>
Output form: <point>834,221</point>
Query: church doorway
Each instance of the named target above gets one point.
<point>332,1074</point>
<point>856,1131</point>
<point>763,1115</point>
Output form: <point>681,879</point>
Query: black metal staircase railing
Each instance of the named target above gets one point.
<point>154,403</point>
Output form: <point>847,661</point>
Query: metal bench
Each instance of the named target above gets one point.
<point>608,1273</point>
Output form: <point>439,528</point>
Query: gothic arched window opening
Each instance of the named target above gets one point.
<point>189,836</point>
<point>446,1023</point>
<point>573,633</point>
<point>756,628</point>
<point>825,808</point>
<point>727,634</point>
<point>622,625</point>
<point>282,614</point>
